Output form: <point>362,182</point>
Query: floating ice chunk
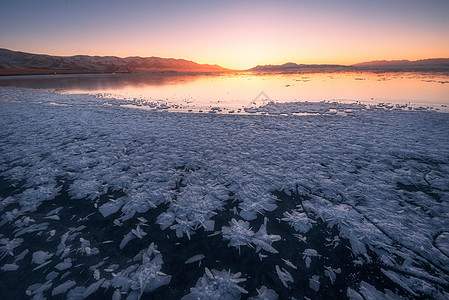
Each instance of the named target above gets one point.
<point>217,285</point>
<point>42,265</point>
<point>134,295</point>
<point>55,211</point>
<point>67,263</point>
<point>240,234</point>
<point>332,273</point>
<point>142,220</point>
<point>9,267</point>
<point>96,274</point>
<point>398,279</point>
<point>85,248</point>
<point>298,220</point>
<point>353,295</point>
<point>63,251</point>
<point>139,232</point>
<point>85,188</point>
<point>144,278</point>
<point>31,228</point>
<point>358,247</point>
<point>290,264</point>
<point>111,207</point>
<point>139,202</point>
<point>8,246</point>
<point>38,288</point>
<point>165,219</point>
<point>263,240</point>
<point>333,242</point>
<point>255,199</point>
<point>29,291</point>
<point>284,276</point>
<point>53,217</point>
<point>21,255</point>
<point>10,216</point>
<point>92,288</point>
<point>314,283</point>
<point>76,293</point>
<point>265,294</point>
<point>113,267</point>
<point>208,225</point>
<point>67,273</point>
<point>193,209</point>
<point>183,227</point>
<point>195,258</point>
<point>301,238</point>
<point>117,295</point>
<point>23,222</point>
<point>32,198</point>
<point>369,292</point>
<point>62,288</point>
<point>5,202</point>
<point>52,275</point>
<point>308,254</point>
<point>39,257</point>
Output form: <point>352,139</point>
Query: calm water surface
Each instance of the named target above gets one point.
<point>239,90</point>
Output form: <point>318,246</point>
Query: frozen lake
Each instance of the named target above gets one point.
<point>313,200</point>
<point>241,90</point>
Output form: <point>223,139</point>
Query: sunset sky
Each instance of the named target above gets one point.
<point>233,34</point>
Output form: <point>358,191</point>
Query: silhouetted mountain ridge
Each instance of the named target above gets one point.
<point>15,60</point>
<point>23,60</point>
<point>422,63</point>
<point>293,66</point>
<point>432,63</point>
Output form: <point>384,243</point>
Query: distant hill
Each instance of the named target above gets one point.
<point>433,63</point>
<point>84,63</point>
<point>292,67</point>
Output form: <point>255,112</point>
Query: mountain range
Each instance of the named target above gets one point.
<point>416,64</point>
<point>294,67</point>
<point>423,64</point>
<point>15,62</point>
<point>98,64</point>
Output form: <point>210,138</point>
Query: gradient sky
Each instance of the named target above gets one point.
<point>233,34</point>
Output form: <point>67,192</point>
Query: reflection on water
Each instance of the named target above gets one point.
<point>237,90</point>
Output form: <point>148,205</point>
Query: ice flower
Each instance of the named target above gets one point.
<point>298,220</point>
<point>215,285</point>
<point>238,233</point>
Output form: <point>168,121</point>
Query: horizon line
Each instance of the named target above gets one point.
<point>215,64</point>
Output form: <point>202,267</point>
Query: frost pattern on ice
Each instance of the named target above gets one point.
<point>298,220</point>
<point>265,294</point>
<point>143,278</point>
<point>378,178</point>
<point>240,234</point>
<point>217,285</point>
<point>194,207</point>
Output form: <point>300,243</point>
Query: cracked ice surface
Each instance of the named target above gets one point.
<point>97,199</point>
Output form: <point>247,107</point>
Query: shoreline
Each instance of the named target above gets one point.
<point>5,72</point>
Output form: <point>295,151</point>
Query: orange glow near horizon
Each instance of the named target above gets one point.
<point>236,35</point>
